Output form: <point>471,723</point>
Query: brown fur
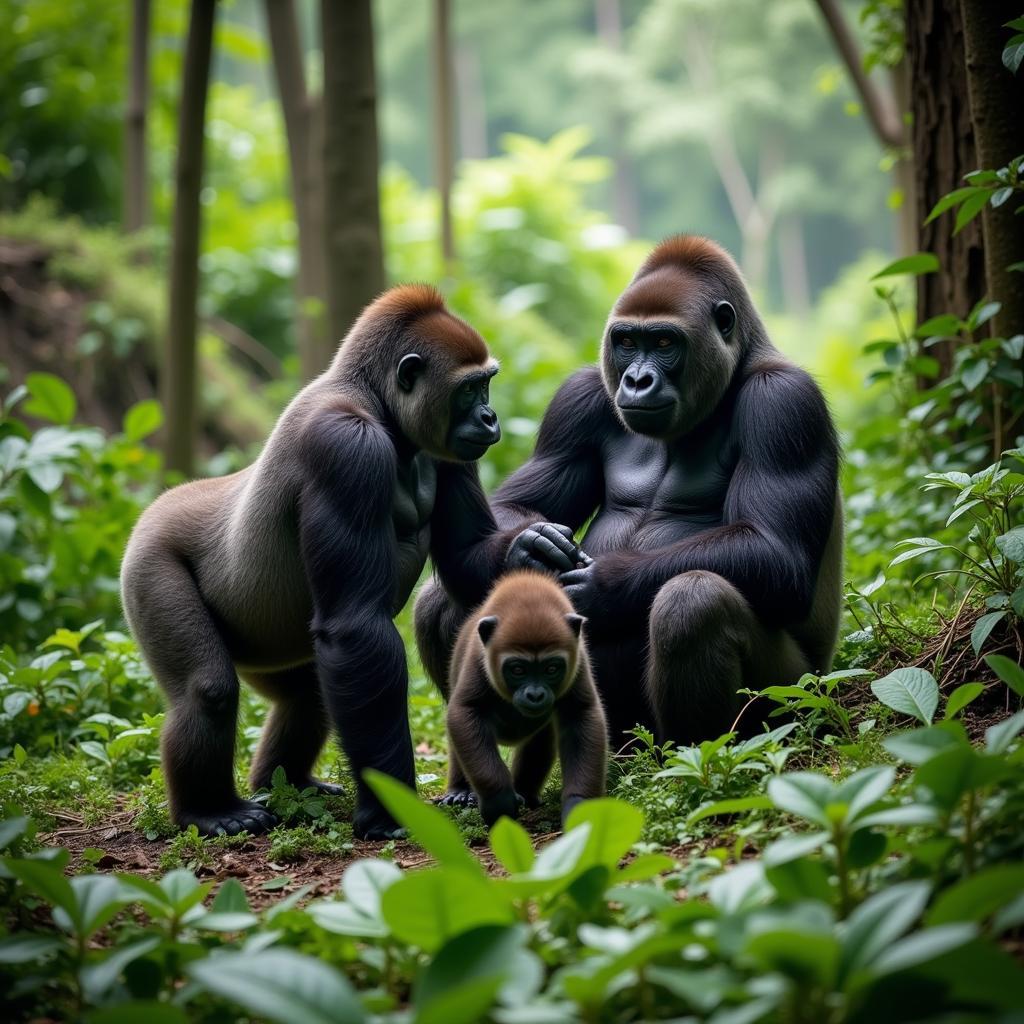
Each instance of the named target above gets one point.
<point>533,616</point>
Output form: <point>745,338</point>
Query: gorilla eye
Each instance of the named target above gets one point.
<point>517,668</point>
<point>627,343</point>
<point>551,669</point>
<point>664,343</point>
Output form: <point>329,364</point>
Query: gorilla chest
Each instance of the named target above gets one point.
<point>657,494</point>
<point>413,503</point>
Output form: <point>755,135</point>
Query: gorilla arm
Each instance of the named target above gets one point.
<point>347,547</point>
<point>777,517</point>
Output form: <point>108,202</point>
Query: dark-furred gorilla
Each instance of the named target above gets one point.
<point>706,465</point>
<point>289,572</point>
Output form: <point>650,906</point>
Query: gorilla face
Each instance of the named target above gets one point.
<point>668,365</point>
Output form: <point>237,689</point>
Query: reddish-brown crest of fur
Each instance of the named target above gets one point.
<point>407,302</point>
<point>455,336</point>
<point>675,267</point>
<point>531,610</point>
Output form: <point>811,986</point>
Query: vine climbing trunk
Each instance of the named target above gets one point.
<point>179,378</point>
<point>997,113</point>
<point>353,250</point>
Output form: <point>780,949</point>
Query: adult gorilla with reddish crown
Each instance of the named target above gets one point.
<point>706,465</point>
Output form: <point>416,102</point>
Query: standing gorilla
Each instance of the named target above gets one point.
<point>289,572</point>
<point>707,467</point>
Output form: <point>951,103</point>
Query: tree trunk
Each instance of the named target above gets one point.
<point>179,385</point>
<point>472,112</point>
<point>443,127</point>
<point>997,112</point>
<point>300,114</point>
<point>136,176</point>
<point>354,258</point>
<point>944,151</point>
<point>608,17</point>
<point>796,291</point>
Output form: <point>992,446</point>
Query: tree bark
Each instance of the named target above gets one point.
<point>179,384</point>
<point>443,123</point>
<point>944,151</point>
<point>301,112</point>
<point>997,112</point>
<point>354,256</point>
<point>472,113</point>
<point>136,174</point>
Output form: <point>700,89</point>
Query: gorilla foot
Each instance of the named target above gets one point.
<point>458,798</point>
<point>376,825</point>
<point>243,816</point>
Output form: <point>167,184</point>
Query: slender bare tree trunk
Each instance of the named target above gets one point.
<point>997,112</point>
<point>136,176</point>
<point>300,112</point>
<point>443,123</point>
<point>472,113</point>
<point>354,256</point>
<point>608,17</point>
<point>796,292</point>
<point>944,151</point>
<point>179,384</point>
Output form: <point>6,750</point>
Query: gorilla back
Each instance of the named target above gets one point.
<point>289,572</point>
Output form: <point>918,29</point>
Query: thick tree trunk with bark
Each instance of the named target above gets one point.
<point>443,122</point>
<point>136,175</point>
<point>354,256</point>
<point>997,111</point>
<point>179,383</point>
<point>301,117</point>
<point>944,151</point>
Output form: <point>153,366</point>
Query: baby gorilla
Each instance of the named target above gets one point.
<point>520,676</point>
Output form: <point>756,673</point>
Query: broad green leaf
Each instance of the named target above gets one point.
<point>12,829</point>
<point>954,198</point>
<point>961,697</point>
<point>733,806</point>
<point>427,908</point>
<point>142,419</point>
<point>493,953</point>
<point>365,882</point>
<point>27,947</point>
<point>1008,671</point>
<point>98,899</point>
<point>801,878</point>
<point>791,847</point>
<point>945,326</point>
<point>98,978</point>
<point>562,856</point>
<point>344,919</point>
<point>969,209</point>
<point>280,985</point>
<point>983,627</point>
<point>978,896</point>
<point>740,888</point>
<point>47,880</point>
<point>614,827</point>
<point>863,789</point>
<point>1012,545</point>
<point>805,794</point>
<point>1013,54</point>
<point>428,826</point>
<point>911,691</point>
<point>919,263</point>
<point>903,814</point>
<point>918,745</point>
<point>879,921</point>
<point>811,958</point>
<point>511,844</point>
<point>465,1003</point>
<point>999,737</point>
<point>954,772</point>
<point>50,398</point>
<point>920,947</point>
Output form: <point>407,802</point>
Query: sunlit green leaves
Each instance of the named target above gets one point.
<point>911,691</point>
<point>49,398</point>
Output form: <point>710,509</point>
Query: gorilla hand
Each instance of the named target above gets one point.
<point>548,547</point>
<point>581,588</point>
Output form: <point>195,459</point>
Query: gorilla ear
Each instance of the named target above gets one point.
<point>575,622</point>
<point>409,369</point>
<point>486,627</point>
<point>725,318</point>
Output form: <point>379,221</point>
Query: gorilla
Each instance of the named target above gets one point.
<point>290,572</point>
<point>704,467</point>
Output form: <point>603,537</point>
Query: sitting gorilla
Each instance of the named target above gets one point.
<point>706,466</point>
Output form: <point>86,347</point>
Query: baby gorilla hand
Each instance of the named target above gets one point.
<point>548,547</point>
<point>505,802</point>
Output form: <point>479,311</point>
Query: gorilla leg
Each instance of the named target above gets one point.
<point>437,620</point>
<point>532,763</point>
<point>185,652</point>
<point>706,643</point>
<point>295,730</point>
<point>617,664</point>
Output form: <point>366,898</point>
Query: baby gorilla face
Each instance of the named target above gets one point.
<point>533,682</point>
